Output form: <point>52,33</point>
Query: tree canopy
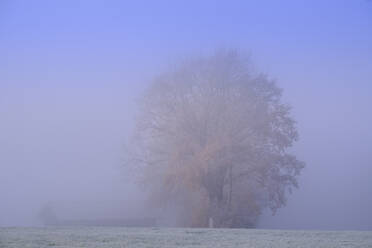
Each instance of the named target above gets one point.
<point>212,137</point>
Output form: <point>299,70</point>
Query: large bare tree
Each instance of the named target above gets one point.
<point>213,136</point>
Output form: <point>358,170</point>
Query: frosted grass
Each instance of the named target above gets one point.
<point>106,237</point>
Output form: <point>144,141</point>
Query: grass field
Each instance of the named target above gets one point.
<point>107,237</point>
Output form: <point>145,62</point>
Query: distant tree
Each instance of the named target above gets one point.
<point>213,136</point>
<point>47,215</point>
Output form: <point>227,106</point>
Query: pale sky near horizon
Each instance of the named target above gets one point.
<point>70,72</point>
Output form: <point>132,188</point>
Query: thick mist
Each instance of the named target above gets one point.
<point>61,146</point>
<point>71,73</point>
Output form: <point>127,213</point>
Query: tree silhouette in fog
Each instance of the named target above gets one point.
<point>212,138</point>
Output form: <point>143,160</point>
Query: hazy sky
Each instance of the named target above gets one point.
<point>70,72</point>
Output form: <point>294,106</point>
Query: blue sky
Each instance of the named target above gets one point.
<point>129,33</point>
<point>70,72</point>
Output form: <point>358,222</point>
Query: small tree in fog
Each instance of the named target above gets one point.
<point>213,136</point>
<point>47,215</point>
